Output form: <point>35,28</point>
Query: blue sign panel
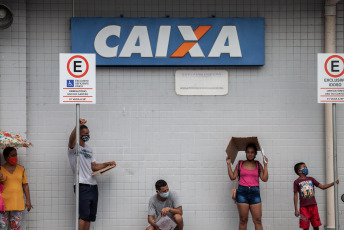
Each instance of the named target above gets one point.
<point>70,83</point>
<point>170,41</point>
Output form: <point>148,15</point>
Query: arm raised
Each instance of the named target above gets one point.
<point>232,175</point>
<point>264,174</point>
<point>326,186</point>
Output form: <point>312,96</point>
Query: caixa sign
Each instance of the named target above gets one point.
<point>170,41</point>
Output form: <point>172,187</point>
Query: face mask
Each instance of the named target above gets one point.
<point>164,195</point>
<point>304,171</point>
<point>85,138</point>
<point>12,160</point>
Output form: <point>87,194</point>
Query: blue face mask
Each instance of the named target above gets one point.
<point>164,195</point>
<point>304,171</point>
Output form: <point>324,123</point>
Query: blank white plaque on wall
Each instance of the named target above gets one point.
<point>201,82</point>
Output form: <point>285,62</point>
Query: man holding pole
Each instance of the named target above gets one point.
<point>88,190</point>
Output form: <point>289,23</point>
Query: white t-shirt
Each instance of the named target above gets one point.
<point>85,159</point>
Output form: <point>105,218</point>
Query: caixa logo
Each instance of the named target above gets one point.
<point>139,35</point>
<point>170,42</point>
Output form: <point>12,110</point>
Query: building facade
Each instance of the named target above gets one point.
<point>151,132</point>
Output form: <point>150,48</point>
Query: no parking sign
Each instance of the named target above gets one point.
<point>77,79</point>
<point>330,78</point>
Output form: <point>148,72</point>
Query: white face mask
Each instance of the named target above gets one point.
<point>164,195</point>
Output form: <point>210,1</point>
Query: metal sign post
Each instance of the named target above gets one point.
<point>335,171</point>
<point>77,137</point>
<point>330,90</point>
<point>77,86</point>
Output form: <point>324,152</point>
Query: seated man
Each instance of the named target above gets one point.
<point>164,203</point>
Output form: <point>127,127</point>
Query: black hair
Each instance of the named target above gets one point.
<point>252,145</point>
<point>297,167</point>
<point>7,151</point>
<point>159,184</point>
<point>83,127</point>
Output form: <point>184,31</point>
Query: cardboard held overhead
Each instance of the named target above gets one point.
<point>237,144</point>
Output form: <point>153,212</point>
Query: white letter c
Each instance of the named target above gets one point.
<point>100,41</point>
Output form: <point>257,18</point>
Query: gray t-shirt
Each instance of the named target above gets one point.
<point>85,159</point>
<point>155,205</point>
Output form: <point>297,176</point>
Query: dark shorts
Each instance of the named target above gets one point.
<point>88,202</point>
<point>248,195</point>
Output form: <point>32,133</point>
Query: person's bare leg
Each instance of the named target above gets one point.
<point>179,220</point>
<point>243,214</point>
<point>256,212</point>
<point>87,225</point>
<point>150,228</point>
<point>84,225</point>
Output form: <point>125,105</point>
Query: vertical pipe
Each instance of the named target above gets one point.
<point>329,167</point>
<point>77,153</point>
<point>335,169</point>
<point>77,167</point>
<point>330,47</point>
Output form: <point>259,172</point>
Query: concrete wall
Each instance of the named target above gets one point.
<point>151,132</point>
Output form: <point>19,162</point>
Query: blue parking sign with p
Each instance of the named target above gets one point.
<point>70,83</point>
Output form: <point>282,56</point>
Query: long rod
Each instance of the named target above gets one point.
<point>330,47</point>
<point>335,169</point>
<point>77,137</point>
<point>73,8</point>
<point>77,153</point>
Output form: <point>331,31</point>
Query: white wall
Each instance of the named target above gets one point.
<point>151,132</point>
<point>13,72</point>
<point>13,75</point>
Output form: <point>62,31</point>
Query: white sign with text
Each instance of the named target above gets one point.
<point>330,78</point>
<point>77,78</point>
<point>201,82</point>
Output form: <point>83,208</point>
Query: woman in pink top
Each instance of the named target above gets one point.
<point>248,194</point>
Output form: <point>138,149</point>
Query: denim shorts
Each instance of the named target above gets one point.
<point>248,195</point>
<point>88,202</point>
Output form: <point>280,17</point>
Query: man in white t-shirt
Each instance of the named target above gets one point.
<point>165,202</point>
<point>88,190</point>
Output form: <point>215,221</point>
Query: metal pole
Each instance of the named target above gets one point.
<point>77,154</point>
<point>331,145</point>
<point>77,166</point>
<point>335,170</point>
<point>73,8</point>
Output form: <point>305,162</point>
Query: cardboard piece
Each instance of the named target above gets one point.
<point>103,170</point>
<point>237,144</point>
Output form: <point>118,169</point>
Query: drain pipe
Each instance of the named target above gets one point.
<point>330,47</point>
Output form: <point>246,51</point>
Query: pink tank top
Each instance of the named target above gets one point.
<point>248,178</point>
